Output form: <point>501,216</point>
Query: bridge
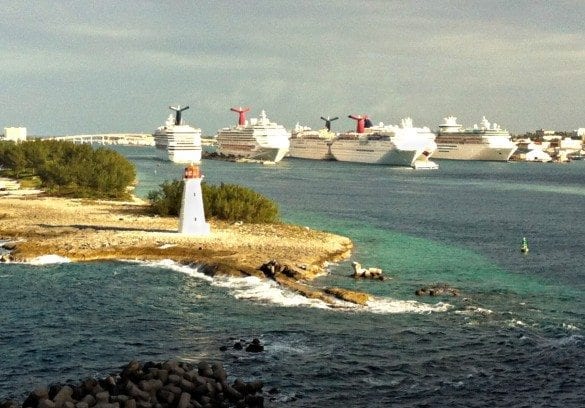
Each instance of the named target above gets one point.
<point>128,139</point>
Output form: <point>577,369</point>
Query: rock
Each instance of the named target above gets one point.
<point>370,273</point>
<point>205,386</point>
<point>219,372</point>
<point>46,403</point>
<point>102,397</point>
<point>255,347</point>
<point>437,290</point>
<point>132,371</point>
<point>63,396</point>
<point>184,400</point>
<point>9,404</point>
<point>204,369</point>
<point>347,295</point>
<point>36,396</point>
<point>89,400</point>
<point>136,392</point>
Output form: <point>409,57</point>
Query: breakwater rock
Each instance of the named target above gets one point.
<point>437,290</point>
<point>170,384</point>
<point>291,278</point>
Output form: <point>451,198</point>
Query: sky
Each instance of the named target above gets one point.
<point>111,66</point>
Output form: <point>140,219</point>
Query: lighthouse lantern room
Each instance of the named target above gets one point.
<point>192,217</point>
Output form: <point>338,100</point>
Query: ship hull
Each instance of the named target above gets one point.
<point>248,146</point>
<point>273,154</point>
<point>378,152</point>
<point>468,151</point>
<point>311,149</point>
<point>179,155</point>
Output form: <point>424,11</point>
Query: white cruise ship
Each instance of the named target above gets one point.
<point>177,141</point>
<point>306,143</point>
<point>484,142</point>
<point>256,139</point>
<point>391,145</point>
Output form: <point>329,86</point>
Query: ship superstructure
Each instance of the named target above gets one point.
<point>177,141</point>
<point>486,141</point>
<point>255,139</point>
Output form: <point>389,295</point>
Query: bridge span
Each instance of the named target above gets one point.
<point>129,139</point>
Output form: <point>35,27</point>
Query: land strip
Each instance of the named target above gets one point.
<point>84,230</point>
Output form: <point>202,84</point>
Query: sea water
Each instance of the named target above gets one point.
<point>514,336</point>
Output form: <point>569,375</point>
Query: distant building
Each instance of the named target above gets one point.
<point>580,132</point>
<point>15,134</point>
<point>542,133</point>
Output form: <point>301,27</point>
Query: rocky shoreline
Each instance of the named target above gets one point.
<point>84,230</point>
<point>171,384</point>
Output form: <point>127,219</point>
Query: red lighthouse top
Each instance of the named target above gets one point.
<point>192,172</point>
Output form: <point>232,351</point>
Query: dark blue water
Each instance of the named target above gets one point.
<point>513,338</point>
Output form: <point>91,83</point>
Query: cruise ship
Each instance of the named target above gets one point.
<point>256,139</point>
<point>177,141</point>
<point>391,145</point>
<point>306,143</point>
<point>486,141</point>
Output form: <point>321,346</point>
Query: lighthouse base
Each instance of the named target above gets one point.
<point>195,229</point>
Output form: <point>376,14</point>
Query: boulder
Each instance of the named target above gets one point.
<point>186,387</point>
<point>255,347</point>
<point>437,290</point>
<point>347,295</point>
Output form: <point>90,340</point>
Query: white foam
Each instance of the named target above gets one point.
<point>269,292</point>
<point>572,327</point>
<point>172,265</point>
<point>474,310</point>
<point>49,259</point>
<point>249,288</point>
<point>265,291</point>
<point>394,306</point>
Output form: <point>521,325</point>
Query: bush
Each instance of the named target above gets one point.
<point>167,200</point>
<point>65,168</point>
<point>227,202</point>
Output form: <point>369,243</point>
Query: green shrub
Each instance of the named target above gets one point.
<point>227,202</point>
<point>167,200</point>
<point>67,169</point>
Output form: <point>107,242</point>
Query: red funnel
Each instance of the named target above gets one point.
<point>361,120</point>
<point>242,112</point>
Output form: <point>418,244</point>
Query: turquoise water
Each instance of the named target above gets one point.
<point>514,337</point>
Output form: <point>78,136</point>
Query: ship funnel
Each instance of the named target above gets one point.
<point>362,121</point>
<point>178,111</point>
<point>367,122</point>
<point>242,117</point>
<point>328,122</point>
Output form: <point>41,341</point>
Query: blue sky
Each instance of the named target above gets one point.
<point>70,67</point>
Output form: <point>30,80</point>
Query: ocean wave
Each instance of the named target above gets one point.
<point>190,270</point>
<point>395,306</point>
<point>48,259</point>
<point>474,310</point>
<point>267,291</point>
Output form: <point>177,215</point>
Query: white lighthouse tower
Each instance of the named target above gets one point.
<point>192,218</point>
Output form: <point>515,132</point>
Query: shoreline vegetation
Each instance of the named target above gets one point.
<point>88,230</point>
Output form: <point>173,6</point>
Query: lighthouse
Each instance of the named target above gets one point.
<point>192,217</point>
